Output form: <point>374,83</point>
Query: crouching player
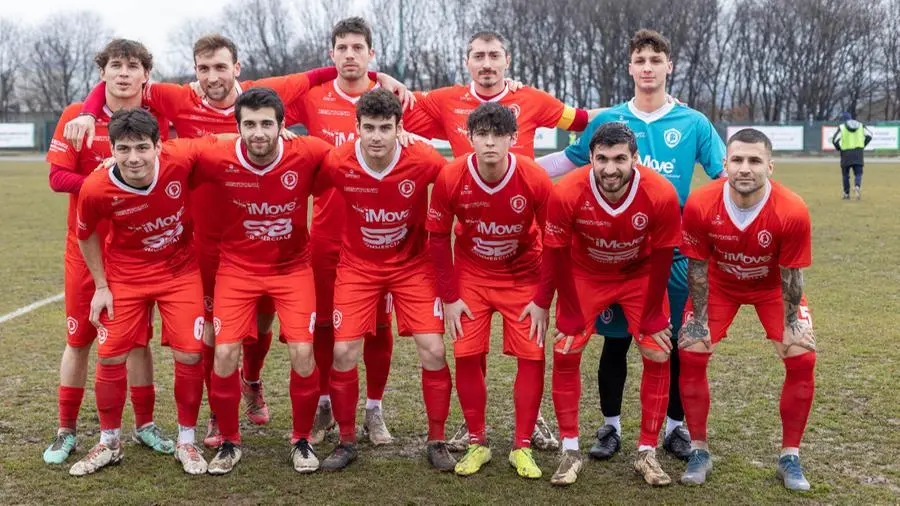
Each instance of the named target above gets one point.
<point>611,231</point>
<point>500,200</point>
<point>747,237</point>
<point>148,260</point>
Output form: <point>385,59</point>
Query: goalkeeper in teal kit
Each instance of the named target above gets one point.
<point>671,139</point>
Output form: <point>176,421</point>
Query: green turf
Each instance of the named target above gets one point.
<point>850,450</point>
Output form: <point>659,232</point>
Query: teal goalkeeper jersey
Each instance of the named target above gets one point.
<point>670,141</point>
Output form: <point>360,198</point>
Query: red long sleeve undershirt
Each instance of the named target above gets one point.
<point>445,276</point>
<point>556,274</point>
<point>64,180</point>
<point>654,319</point>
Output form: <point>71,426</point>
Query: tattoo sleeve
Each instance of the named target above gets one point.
<point>792,293</point>
<point>698,288</point>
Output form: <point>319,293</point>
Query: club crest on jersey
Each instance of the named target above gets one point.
<point>407,187</point>
<point>71,325</point>
<point>639,220</point>
<point>173,189</point>
<point>289,179</point>
<point>518,203</point>
<point>672,137</point>
<point>516,110</point>
<point>102,335</point>
<point>337,317</point>
<point>765,238</point>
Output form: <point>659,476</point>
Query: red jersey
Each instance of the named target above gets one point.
<point>150,231</point>
<point>745,258</point>
<point>612,242</point>
<point>443,113</point>
<point>329,114</point>
<point>385,228</point>
<point>263,210</point>
<point>498,240</point>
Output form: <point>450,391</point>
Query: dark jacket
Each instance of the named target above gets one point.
<point>850,157</point>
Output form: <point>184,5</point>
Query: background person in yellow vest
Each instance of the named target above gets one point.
<point>850,139</point>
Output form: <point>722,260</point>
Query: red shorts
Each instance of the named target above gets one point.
<point>595,296</point>
<point>179,299</point>
<point>237,293</point>
<point>79,292</point>
<point>325,256</point>
<point>722,309</point>
<point>410,293</point>
<point>209,264</point>
<point>483,301</point>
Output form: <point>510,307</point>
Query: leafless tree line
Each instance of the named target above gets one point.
<point>736,60</point>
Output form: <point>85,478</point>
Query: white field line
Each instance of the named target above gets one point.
<point>31,307</point>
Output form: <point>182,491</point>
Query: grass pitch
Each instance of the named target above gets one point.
<point>850,450</point>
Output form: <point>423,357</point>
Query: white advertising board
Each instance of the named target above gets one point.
<point>16,135</point>
<point>882,138</point>
<point>784,138</point>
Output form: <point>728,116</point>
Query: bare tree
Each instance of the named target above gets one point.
<point>11,51</point>
<point>264,32</point>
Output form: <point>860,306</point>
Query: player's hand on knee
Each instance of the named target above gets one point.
<point>453,312</point>
<point>799,333</point>
<point>694,331</point>
<point>540,320</point>
<point>563,337</point>
<point>76,130</point>
<point>102,300</point>
<point>664,339</point>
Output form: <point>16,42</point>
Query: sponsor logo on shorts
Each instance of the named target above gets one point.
<point>289,179</point>
<point>208,303</point>
<point>102,334</point>
<point>173,189</point>
<point>639,220</point>
<point>337,317</point>
<point>71,325</point>
<point>199,322</point>
<point>606,316</point>
<point>312,322</point>
<point>217,325</point>
<point>518,203</point>
<point>407,187</point>
<point>434,214</point>
<point>765,238</point>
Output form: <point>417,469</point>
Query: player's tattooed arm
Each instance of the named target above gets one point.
<point>696,328</point>
<point>796,331</point>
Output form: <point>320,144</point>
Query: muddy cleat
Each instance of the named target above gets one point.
<point>151,437</point>
<point>791,473</point>
<point>341,457</point>
<point>304,457</point>
<point>439,456</point>
<point>99,457</point>
<point>323,423</point>
<point>523,460</point>
<point>698,468</point>
<point>678,443</point>
<point>257,410</point>
<point>608,443</point>
<point>475,457</point>
<point>460,441</point>
<point>375,428</point>
<point>227,456</point>
<point>845,196</point>
<point>858,192</point>
<point>647,466</point>
<point>542,438</point>
<point>569,466</point>
<point>213,438</point>
<point>58,451</point>
<point>191,458</point>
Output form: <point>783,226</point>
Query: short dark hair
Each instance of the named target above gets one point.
<point>132,124</point>
<point>612,134</point>
<point>355,25</point>
<point>652,39</point>
<point>212,42</point>
<point>487,36</point>
<point>379,103</point>
<point>124,48</point>
<point>492,117</point>
<point>259,98</point>
<point>751,136</point>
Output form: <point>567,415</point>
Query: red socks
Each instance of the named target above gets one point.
<point>304,402</point>
<point>377,357</point>
<point>695,392</point>
<point>225,401</point>
<point>344,397</point>
<point>436,386</point>
<point>208,358</point>
<point>527,393</point>
<point>110,388</point>
<point>143,398</point>
<point>323,350</point>
<point>654,400</point>
<point>472,392</point>
<point>566,390</point>
<point>69,400</point>
<point>796,397</point>
<point>255,356</point>
<point>188,392</point>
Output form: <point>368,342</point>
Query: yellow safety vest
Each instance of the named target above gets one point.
<point>852,139</point>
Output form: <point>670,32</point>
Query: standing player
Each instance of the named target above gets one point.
<point>329,113</point>
<point>385,189</point>
<point>500,201</point>
<point>747,237</point>
<point>612,228</point>
<point>671,139</point>
<point>125,65</point>
<point>442,113</point>
<point>148,260</point>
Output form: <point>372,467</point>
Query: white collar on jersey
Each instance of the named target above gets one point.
<point>249,166</point>
<point>228,110</point>
<point>480,182</point>
<point>131,189</point>
<point>650,117</point>
<point>734,212</point>
<point>348,98</point>
<point>628,198</point>
<point>374,173</point>
<point>107,111</point>
<point>492,99</point>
